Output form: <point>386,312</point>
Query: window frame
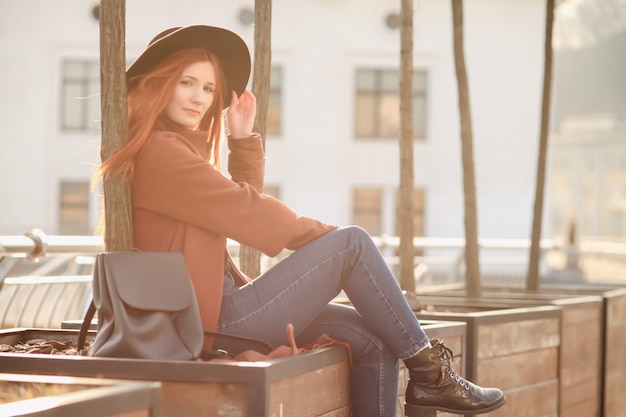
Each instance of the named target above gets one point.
<point>379,90</point>
<point>275,101</point>
<point>74,207</point>
<point>88,117</point>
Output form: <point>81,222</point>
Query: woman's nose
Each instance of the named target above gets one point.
<point>198,96</point>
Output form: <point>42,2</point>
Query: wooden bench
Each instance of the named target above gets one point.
<point>43,301</point>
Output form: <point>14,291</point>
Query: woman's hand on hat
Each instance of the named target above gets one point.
<point>241,115</point>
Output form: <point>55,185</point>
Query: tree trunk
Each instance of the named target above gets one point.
<point>407,249</point>
<point>118,235</point>
<point>473,286</point>
<point>249,258</point>
<point>532,279</point>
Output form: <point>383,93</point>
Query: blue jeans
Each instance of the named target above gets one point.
<point>381,328</point>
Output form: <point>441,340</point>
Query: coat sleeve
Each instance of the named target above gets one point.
<point>172,180</point>
<point>246,162</point>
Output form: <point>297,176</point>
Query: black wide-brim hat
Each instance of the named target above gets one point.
<point>229,48</point>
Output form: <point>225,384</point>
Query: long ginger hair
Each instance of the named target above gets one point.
<point>147,99</point>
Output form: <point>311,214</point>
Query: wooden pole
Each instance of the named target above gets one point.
<point>532,278</point>
<point>407,248</point>
<point>249,258</point>
<point>473,285</point>
<point>262,62</point>
<point>118,235</point>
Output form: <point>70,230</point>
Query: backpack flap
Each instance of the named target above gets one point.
<point>150,280</point>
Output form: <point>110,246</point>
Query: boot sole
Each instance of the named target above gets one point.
<point>431,411</point>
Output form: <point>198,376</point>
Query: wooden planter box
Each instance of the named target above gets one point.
<point>612,328</point>
<point>515,348</point>
<point>614,392</point>
<point>48,396</point>
<point>454,334</point>
<point>614,342</point>
<point>315,383</point>
<point>580,356</point>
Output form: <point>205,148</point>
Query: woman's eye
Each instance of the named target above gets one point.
<point>208,89</point>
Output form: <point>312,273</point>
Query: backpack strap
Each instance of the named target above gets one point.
<point>82,336</point>
<point>249,340</point>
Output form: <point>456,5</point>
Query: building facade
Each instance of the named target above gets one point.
<point>332,150</point>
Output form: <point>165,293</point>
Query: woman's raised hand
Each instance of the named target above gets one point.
<point>241,114</point>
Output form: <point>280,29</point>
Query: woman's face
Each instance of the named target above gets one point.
<point>192,95</point>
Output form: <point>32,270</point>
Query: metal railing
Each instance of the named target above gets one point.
<point>50,276</point>
<point>442,259</point>
<point>36,243</point>
<point>51,279</point>
<point>49,254</point>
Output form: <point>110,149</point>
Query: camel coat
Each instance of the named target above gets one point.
<point>182,203</point>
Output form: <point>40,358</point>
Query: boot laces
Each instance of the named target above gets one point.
<point>446,356</point>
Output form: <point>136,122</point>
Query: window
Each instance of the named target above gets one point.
<point>80,106</point>
<point>74,208</point>
<point>367,209</point>
<point>274,108</point>
<point>377,112</point>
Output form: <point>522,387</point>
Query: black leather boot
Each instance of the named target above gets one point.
<point>434,385</point>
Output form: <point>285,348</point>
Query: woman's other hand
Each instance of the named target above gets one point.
<point>241,114</point>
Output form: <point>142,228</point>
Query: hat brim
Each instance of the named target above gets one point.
<point>229,48</point>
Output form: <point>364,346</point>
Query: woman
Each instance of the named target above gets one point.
<point>178,90</point>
